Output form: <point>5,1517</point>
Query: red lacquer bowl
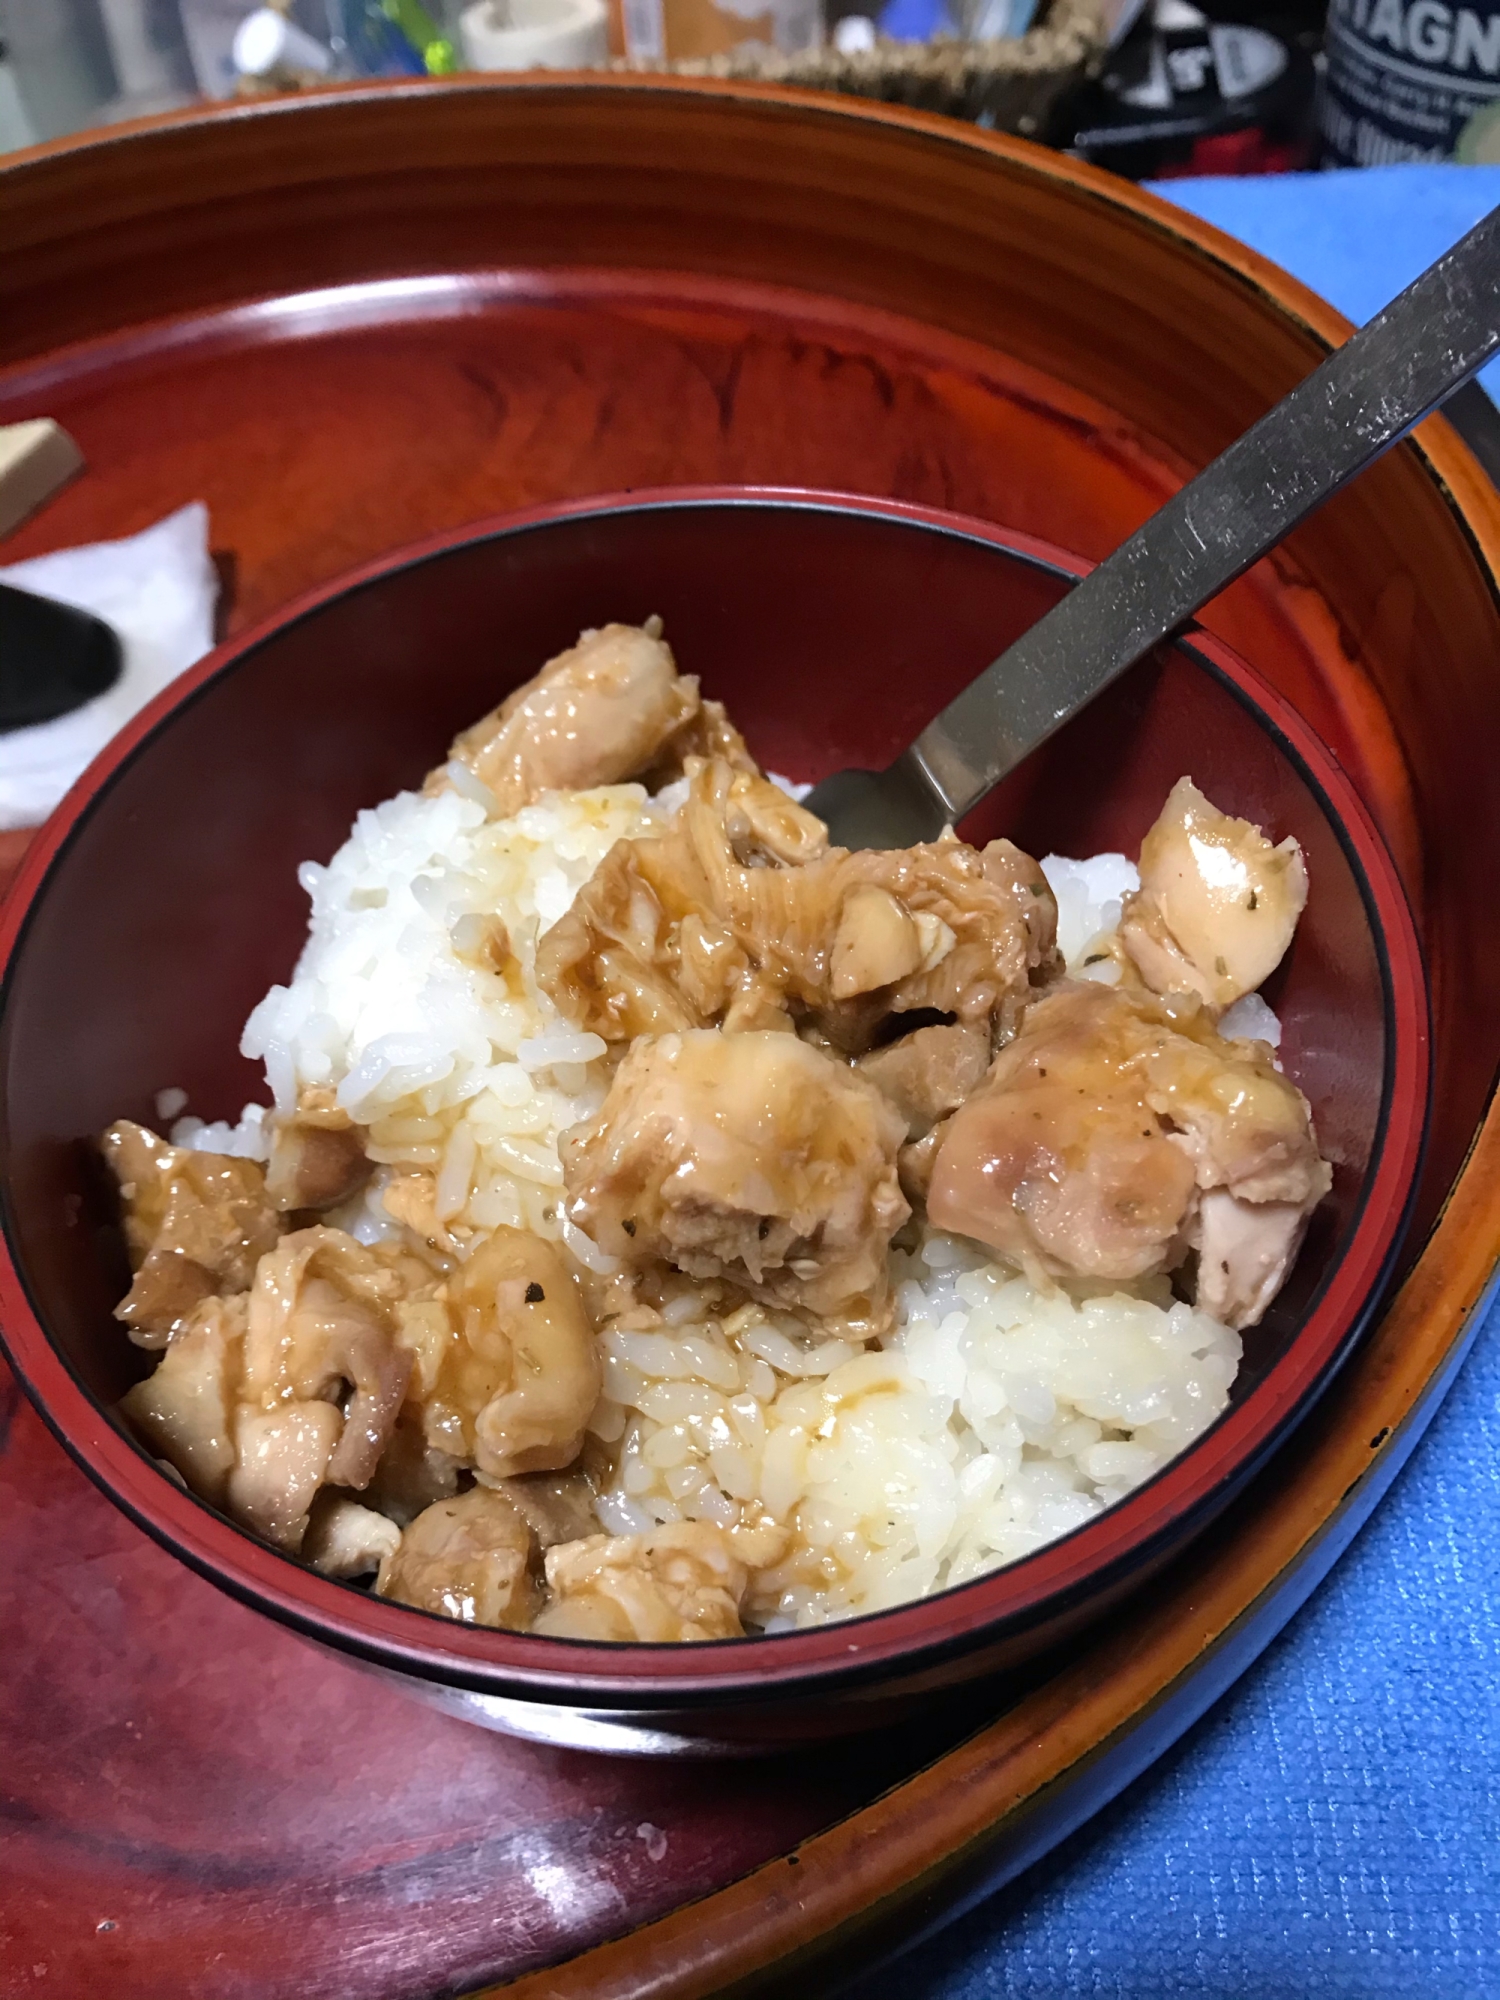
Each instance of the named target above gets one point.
<point>162,900</point>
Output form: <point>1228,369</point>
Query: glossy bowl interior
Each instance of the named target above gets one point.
<point>163,900</point>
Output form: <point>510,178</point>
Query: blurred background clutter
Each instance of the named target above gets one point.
<point>1149,88</point>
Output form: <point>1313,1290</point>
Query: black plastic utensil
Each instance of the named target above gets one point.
<point>53,658</point>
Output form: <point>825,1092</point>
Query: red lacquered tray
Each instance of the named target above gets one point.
<point>196,1802</point>
<point>367,317</point>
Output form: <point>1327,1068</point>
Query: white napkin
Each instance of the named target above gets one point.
<point>157,589</point>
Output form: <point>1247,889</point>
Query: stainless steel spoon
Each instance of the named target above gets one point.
<point>1363,399</point>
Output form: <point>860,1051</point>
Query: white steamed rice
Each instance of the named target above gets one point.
<point>452,1067</point>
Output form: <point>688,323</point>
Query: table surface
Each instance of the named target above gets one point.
<point>1332,1828</point>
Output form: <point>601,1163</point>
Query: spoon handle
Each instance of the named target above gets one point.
<point>1365,397</point>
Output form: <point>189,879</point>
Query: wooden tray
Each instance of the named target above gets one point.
<point>351,321</point>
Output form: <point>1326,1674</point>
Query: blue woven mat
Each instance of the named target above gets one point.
<point>1331,1831</point>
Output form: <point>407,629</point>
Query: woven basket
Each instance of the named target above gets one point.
<point>1011,86</point>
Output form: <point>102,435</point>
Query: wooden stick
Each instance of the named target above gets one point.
<point>36,458</point>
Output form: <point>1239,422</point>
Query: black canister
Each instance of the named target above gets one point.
<point>1411,80</point>
<point>1200,90</point>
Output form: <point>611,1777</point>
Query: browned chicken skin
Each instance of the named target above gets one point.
<point>1087,1149</point>
<point>750,1157</point>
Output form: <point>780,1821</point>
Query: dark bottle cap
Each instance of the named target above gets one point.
<point>1186,93</point>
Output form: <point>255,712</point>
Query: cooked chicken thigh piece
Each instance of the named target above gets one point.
<point>1089,1147</point>
<point>346,1540</point>
<point>518,1373</point>
<point>929,1073</point>
<point>195,1224</point>
<point>707,732</point>
<point>677,1583</point>
<point>750,1157</point>
<point>559,1506</point>
<point>1217,904</point>
<point>411,1475</point>
<point>317,1155</point>
<point>741,916</point>
<point>1249,1134</point>
<point>265,1399</point>
<point>649,945</point>
<point>1245,1250</point>
<point>184,1410</point>
<point>281,1461</point>
<point>469,1558</point>
<point>1242,1123</point>
<point>1058,1162</point>
<point>321,1329</point>
<point>596,714</point>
